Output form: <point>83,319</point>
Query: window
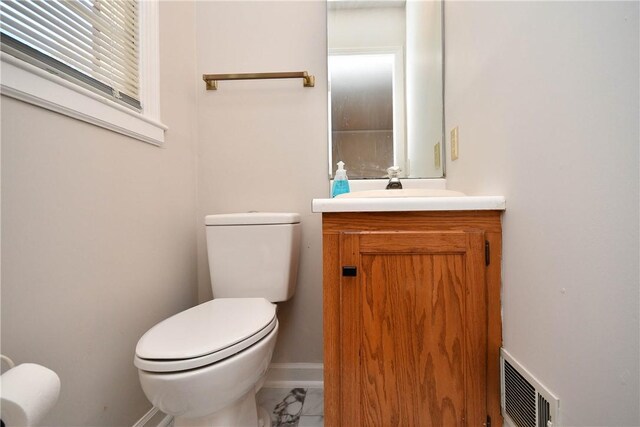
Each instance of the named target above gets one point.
<point>92,47</point>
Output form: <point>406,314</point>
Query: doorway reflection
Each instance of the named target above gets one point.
<point>363,99</point>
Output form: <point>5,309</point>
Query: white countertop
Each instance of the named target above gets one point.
<point>400,204</point>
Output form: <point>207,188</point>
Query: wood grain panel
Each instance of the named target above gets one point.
<point>350,308</point>
<point>407,332</point>
<point>494,328</point>
<point>335,222</point>
<point>401,361</point>
<point>331,328</point>
<point>476,331</point>
<point>447,341</point>
<point>412,242</point>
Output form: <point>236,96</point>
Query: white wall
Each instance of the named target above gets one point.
<point>546,95</point>
<point>98,239</point>
<point>263,144</point>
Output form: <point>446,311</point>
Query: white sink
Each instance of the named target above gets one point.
<point>409,192</point>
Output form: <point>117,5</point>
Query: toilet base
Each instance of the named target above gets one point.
<point>264,419</point>
<point>208,396</point>
<point>243,413</point>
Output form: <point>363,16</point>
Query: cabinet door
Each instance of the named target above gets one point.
<point>413,329</point>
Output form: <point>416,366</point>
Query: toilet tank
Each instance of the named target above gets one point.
<point>253,254</point>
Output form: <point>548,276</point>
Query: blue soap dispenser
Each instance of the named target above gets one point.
<point>340,181</point>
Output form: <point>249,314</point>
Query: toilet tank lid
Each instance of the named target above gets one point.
<point>253,218</point>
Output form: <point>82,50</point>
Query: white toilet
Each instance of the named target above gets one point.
<point>205,365</point>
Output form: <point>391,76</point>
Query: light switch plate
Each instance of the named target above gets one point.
<point>454,143</point>
<point>436,155</point>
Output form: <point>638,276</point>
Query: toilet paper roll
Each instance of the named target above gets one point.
<point>27,393</point>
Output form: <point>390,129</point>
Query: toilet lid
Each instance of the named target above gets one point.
<point>205,333</point>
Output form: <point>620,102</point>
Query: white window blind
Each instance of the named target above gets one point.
<point>91,42</point>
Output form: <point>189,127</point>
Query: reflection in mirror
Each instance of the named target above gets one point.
<point>385,87</point>
<point>363,110</point>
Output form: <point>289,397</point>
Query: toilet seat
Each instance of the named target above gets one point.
<point>205,334</point>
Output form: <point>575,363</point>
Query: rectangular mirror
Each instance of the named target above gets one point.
<point>385,87</point>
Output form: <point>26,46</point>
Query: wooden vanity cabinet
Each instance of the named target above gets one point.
<point>412,323</point>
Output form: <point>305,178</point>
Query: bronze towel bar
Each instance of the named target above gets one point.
<point>212,79</point>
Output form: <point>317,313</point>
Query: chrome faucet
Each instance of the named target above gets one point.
<point>394,180</point>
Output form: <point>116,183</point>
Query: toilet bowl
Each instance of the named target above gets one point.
<point>205,365</point>
<point>216,388</point>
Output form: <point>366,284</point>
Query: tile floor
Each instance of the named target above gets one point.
<point>301,407</point>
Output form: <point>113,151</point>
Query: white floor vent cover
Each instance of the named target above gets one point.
<point>525,402</point>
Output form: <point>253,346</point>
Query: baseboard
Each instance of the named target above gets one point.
<point>303,375</point>
<point>154,418</point>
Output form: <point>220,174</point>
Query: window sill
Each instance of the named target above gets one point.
<point>30,84</point>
